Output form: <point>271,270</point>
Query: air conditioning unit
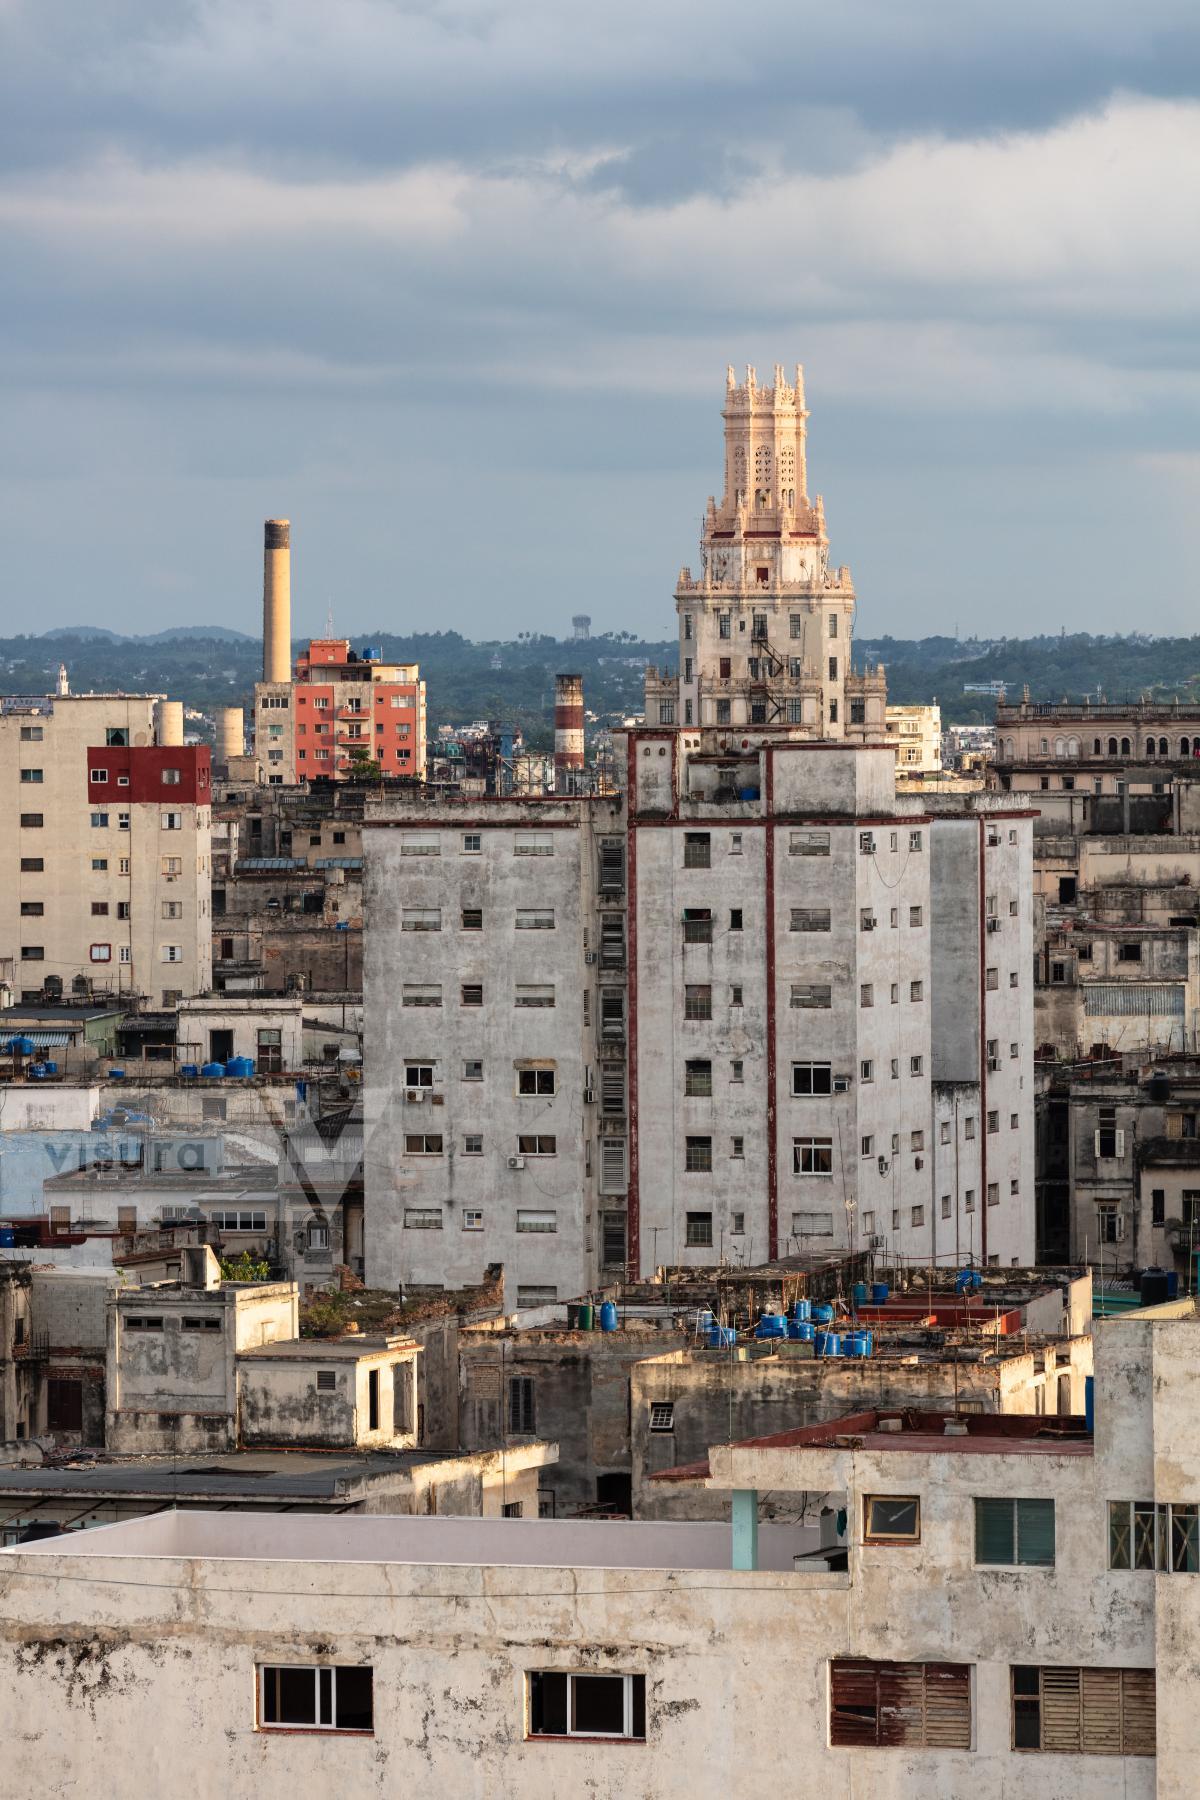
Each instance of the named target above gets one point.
<point>918,1162</point>
<point>993,840</point>
<point>841,1084</point>
<point>993,1065</point>
<point>993,924</point>
<point>414,1094</point>
<point>589,957</point>
<point>878,1242</point>
<point>516,1162</point>
<point>883,1165</point>
<point>589,1095</point>
<point>868,924</point>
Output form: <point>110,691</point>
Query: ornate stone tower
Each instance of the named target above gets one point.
<point>765,629</point>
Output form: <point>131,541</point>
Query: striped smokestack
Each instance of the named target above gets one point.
<point>568,733</point>
<point>277,601</point>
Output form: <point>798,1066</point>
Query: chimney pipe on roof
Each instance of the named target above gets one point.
<point>277,601</point>
<point>568,733</point>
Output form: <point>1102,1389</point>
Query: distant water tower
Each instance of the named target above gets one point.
<point>581,624</point>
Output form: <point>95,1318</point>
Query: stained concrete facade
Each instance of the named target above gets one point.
<point>358,1392</point>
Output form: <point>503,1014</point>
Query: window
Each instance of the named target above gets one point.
<point>915,915</point>
<point>472,843</point>
<point>697,1002</point>
<point>662,1415</point>
<point>737,1070</point>
<point>666,712</point>
<point>100,953</point>
<point>587,1706</point>
<point>535,1081</point>
<point>808,843</point>
<point>422,1218</point>
<point>472,1219</point>
<point>866,1146</point>
<point>697,850</point>
<point>735,918</point>
<point>724,712</point>
<point>31,777</point>
<point>812,1156</point>
<point>812,1078</point>
<point>471,918</point>
<point>421,918</point>
<point>472,1071</point>
<point>894,1705</point>
<point>415,993</point>
<point>471,993</point>
<point>697,1079</point>
<point>735,994</point>
<point>536,1219</point>
<point>866,1070</point>
<point>534,918</point>
<point>99,909</point>
<point>528,994</point>
<point>472,1144</point>
<point>33,865</point>
<point>866,994</point>
<point>322,1697</point>
<point>144,1322</point>
<point>418,1075</point>
<point>423,1143</point>
<point>699,1230</point>
<point>413,844</point>
<point>100,775</point>
<point>33,953</point>
<point>1108,1140</point>
<point>916,990</point>
<point>891,1519</point>
<point>239,1221</point>
<point>918,1215</point>
<point>34,909</point>
<point>1129,953</point>
<point>1142,1535</point>
<point>171,821</point>
<point>914,840</point>
<point>531,1144</point>
<point>1015,1532</point>
<point>735,843</point>
<point>697,925</point>
<point>32,734</point>
<point>1094,1712</point>
<point>810,918</point>
<point>99,820</point>
<point>993,1122</point>
<point>170,777</point>
<point>698,1155</point>
<point>812,995</point>
<point>171,909</point>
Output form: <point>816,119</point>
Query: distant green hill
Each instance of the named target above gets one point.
<point>207,666</point>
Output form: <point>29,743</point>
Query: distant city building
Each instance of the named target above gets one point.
<point>107,819</point>
<point>917,731</point>
<point>340,710</point>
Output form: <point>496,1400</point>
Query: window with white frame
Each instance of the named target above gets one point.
<point>812,1156</point>
<point>564,1704</point>
<point>316,1697</point>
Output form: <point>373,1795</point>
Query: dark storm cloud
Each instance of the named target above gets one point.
<point>454,285</point>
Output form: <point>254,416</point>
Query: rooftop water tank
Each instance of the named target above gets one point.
<point>189,1071</point>
<point>608,1316</point>
<point>827,1343</point>
<point>209,1069</point>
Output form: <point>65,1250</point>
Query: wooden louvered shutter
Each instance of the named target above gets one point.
<point>948,1706</point>
<point>901,1703</point>
<point>1100,1711</point>
<point>1137,1712</point>
<point>853,1703</point>
<point>1060,1709</point>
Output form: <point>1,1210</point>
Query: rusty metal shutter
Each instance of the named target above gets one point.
<point>900,1704</point>
<point>1137,1712</point>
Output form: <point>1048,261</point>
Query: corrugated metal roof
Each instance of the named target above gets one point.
<point>338,862</point>
<point>269,862</point>
<point>1132,999</point>
<point>42,1040</point>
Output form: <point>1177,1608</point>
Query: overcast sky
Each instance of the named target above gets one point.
<point>453,283</point>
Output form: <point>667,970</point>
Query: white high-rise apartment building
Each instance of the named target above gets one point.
<point>757,1003</point>
<point>105,815</point>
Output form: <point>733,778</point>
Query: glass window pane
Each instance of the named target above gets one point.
<point>1144,1520</point>
<point>893,1516</point>
<point>1185,1541</point>
<point>994,1531</point>
<point>1118,1534</point>
<point>297,1696</point>
<point>598,1704</point>
<point>1035,1533</point>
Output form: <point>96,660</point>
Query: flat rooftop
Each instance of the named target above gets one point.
<point>271,1476</point>
<point>392,1538</point>
<point>345,1349</point>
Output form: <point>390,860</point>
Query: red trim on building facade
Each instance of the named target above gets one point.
<point>772,1143</point>
<point>983,1093</point>
<point>633,1209</point>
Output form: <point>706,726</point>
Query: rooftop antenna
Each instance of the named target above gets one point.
<point>329,620</point>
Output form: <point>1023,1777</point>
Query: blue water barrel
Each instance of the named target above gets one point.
<point>748,793</point>
<point>828,1343</point>
<point>189,1071</point>
<point>976,1279</point>
<point>19,1046</point>
<point>805,1330</point>
<point>962,1281</point>
<point>37,1071</point>
<point>608,1316</point>
<point>210,1070</point>
<point>879,1293</point>
<point>704,1319</point>
<point>116,1074</point>
<point>802,1309</point>
<point>823,1313</point>
<point>858,1295</point>
<point>721,1337</point>
<point>857,1343</point>
<point>771,1325</point>
<point>8,1237</point>
<point>51,1068</point>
